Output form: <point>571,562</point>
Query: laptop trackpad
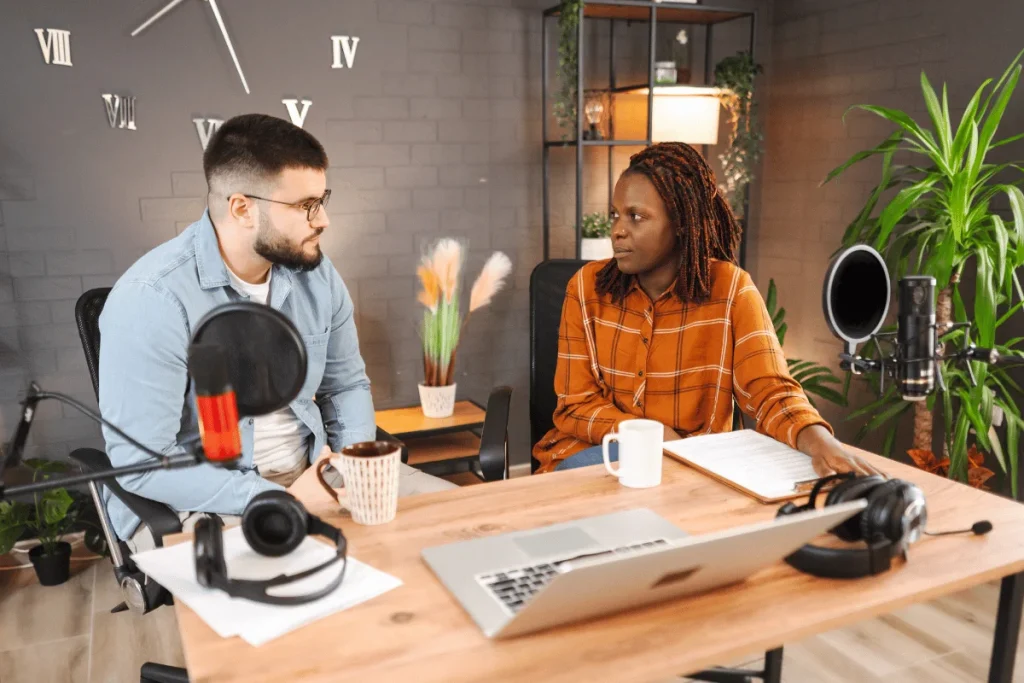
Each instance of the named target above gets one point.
<point>559,542</point>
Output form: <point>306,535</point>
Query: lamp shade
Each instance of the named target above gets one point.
<point>686,114</point>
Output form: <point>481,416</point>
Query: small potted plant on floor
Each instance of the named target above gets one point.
<point>439,273</point>
<point>47,519</point>
<point>597,231</point>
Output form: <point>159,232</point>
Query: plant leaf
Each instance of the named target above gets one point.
<point>898,208</point>
<point>1007,141</point>
<point>1002,240</point>
<point>985,301</point>
<point>54,506</point>
<point>988,130</point>
<point>889,443</point>
<point>958,450</point>
<point>1012,448</point>
<point>1016,198</point>
<point>890,144</point>
<point>967,121</point>
<point>920,137</point>
<point>890,413</point>
<point>940,122</point>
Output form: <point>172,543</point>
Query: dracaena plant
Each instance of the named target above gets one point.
<point>932,213</point>
<point>439,272</point>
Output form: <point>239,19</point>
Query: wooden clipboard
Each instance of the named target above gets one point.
<point>802,491</point>
<point>728,440</point>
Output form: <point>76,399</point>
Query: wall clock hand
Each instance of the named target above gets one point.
<point>171,5</point>
<point>227,40</point>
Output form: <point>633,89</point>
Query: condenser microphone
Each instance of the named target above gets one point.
<point>915,337</point>
<point>216,402</point>
<point>855,300</point>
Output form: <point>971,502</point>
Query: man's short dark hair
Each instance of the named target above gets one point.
<point>258,147</point>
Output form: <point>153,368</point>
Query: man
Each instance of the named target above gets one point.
<point>258,240</point>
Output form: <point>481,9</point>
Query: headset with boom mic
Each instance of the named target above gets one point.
<point>895,518</point>
<point>245,359</point>
<point>855,299</point>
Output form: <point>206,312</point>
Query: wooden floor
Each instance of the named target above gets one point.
<point>65,634</point>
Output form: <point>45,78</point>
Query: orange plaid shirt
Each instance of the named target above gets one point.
<point>681,365</point>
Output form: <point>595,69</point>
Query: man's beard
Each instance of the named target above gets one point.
<point>273,246</point>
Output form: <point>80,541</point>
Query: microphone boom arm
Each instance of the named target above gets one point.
<point>34,396</point>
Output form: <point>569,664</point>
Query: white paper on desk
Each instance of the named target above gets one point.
<point>752,460</point>
<point>256,623</point>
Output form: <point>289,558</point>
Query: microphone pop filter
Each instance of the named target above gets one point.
<point>856,293</point>
<point>264,355</point>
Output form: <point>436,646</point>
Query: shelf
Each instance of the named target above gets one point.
<point>598,143</point>
<point>667,12</point>
<point>428,449</point>
<point>664,89</point>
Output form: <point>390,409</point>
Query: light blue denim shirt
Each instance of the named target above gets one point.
<point>145,330</point>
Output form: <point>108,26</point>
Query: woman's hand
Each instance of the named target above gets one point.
<point>670,435</point>
<point>829,456</point>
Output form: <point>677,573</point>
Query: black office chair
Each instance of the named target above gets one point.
<point>492,461</point>
<point>547,293</point>
<point>160,519</point>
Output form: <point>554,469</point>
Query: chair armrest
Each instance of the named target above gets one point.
<point>160,519</point>
<point>384,436</point>
<point>494,437</point>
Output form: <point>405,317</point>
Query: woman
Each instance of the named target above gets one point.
<point>672,330</point>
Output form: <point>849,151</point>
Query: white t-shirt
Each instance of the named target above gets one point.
<point>280,441</point>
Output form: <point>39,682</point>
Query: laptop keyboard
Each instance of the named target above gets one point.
<point>514,587</point>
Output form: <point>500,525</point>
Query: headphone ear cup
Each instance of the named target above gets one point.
<point>208,550</point>
<point>852,489</point>
<point>884,513</point>
<point>274,523</point>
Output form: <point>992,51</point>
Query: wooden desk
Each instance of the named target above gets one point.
<point>419,632</point>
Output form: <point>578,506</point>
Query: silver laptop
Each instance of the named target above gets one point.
<point>527,581</point>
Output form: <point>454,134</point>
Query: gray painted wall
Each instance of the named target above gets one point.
<point>434,132</point>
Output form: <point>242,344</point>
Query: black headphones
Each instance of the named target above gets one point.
<point>894,518</point>
<point>274,523</point>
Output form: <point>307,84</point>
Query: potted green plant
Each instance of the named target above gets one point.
<point>734,76</point>
<point>596,230</point>
<point>568,64</point>
<point>934,214</point>
<point>50,516</point>
<point>439,272</point>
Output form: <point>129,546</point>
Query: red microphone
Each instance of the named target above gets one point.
<point>215,399</point>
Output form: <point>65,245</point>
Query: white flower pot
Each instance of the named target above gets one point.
<point>437,401</point>
<point>595,248</point>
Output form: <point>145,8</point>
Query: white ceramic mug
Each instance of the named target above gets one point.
<point>370,471</point>
<point>640,453</point>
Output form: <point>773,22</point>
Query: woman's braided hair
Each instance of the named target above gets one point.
<point>704,224</point>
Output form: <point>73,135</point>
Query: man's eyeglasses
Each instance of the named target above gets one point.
<point>311,206</point>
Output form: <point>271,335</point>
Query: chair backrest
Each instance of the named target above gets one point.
<point>547,293</point>
<point>87,315</point>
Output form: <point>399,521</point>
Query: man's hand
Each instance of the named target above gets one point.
<point>829,456</point>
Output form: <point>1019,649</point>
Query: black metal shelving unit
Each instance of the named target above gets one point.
<point>612,11</point>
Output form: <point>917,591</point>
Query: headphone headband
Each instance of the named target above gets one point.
<point>274,523</point>
<point>881,526</point>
